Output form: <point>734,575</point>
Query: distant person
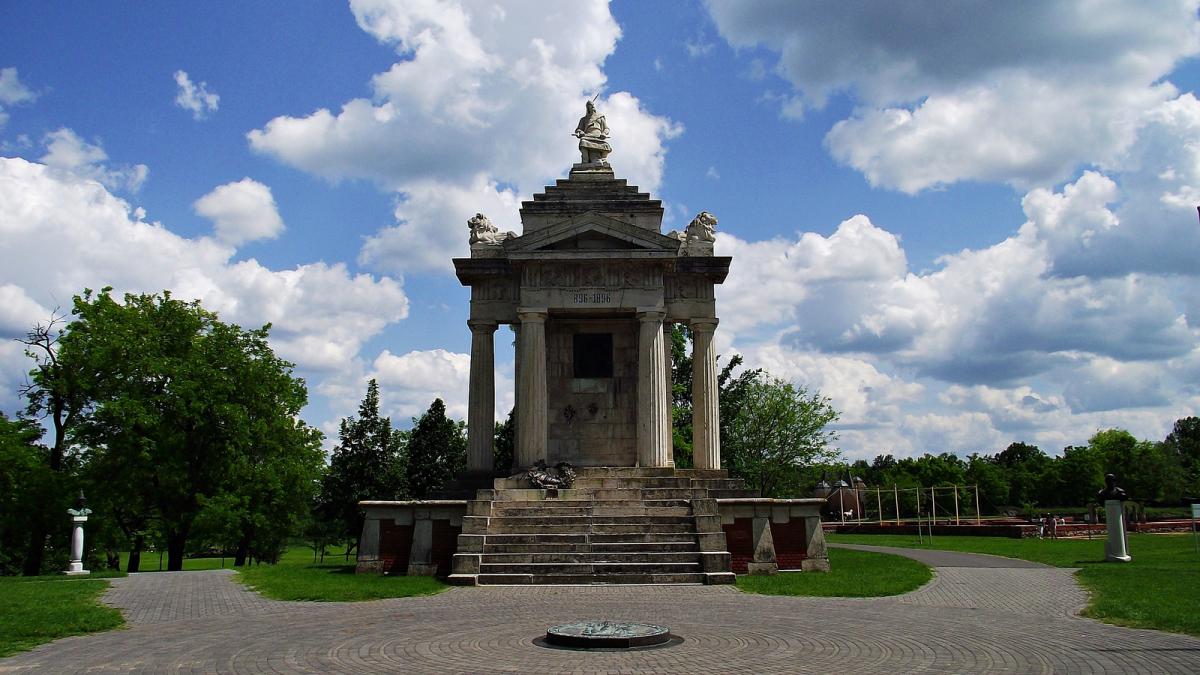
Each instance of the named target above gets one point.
<point>1053,526</point>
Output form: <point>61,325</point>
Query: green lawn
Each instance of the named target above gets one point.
<point>34,610</point>
<point>853,574</point>
<point>1160,589</point>
<point>150,562</point>
<point>296,577</point>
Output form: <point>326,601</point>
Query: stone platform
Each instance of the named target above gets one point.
<point>616,525</point>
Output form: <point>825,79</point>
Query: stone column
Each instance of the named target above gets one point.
<point>670,392</point>
<point>481,397</point>
<point>516,331</point>
<point>1114,548</point>
<point>531,406</point>
<point>706,429</point>
<point>78,518</point>
<point>653,415</point>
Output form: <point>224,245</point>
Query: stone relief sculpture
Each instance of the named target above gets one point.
<point>592,132</point>
<point>561,476</point>
<point>699,237</point>
<point>485,237</point>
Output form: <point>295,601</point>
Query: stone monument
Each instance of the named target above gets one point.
<point>79,516</point>
<point>591,288</point>
<point>1113,498</point>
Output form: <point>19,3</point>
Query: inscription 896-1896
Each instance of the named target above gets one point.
<point>591,297</point>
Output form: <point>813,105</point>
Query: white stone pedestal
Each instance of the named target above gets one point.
<point>1114,548</point>
<point>75,567</point>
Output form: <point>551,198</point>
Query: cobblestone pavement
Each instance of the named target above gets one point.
<point>970,619</point>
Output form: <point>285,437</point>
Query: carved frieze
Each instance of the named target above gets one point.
<point>592,276</point>
<point>687,287</point>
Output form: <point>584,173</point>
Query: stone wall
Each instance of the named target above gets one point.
<point>593,421</point>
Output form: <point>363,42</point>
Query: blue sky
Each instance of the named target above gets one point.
<point>967,227</point>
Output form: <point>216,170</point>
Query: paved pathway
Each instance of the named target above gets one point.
<point>1007,616</point>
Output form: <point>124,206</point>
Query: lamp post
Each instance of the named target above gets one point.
<point>79,516</point>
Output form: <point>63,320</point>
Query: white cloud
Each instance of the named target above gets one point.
<point>66,151</point>
<point>1107,384</point>
<point>409,383</point>
<point>195,97</point>
<point>241,211</point>
<point>975,91</point>
<point>12,92</point>
<point>698,47</point>
<point>19,312</point>
<point>322,314</point>
<point>471,108</point>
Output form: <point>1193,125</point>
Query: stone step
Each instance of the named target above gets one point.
<point>599,548</point>
<point>639,536</point>
<point>591,557</point>
<point>548,568</point>
<point>733,494</point>
<point>623,472</point>
<point>511,521</point>
<point>520,509</point>
<point>625,482</point>
<point>502,526</point>
<point>589,579</point>
<point>720,484</point>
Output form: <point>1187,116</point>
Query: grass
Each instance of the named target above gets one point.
<point>35,610</point>
<point>151,562</point>
<point>853,574</point>
<point>1160,589</point>
<point>297,577</point>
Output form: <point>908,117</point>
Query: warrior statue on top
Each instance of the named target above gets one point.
<point>592,132</point>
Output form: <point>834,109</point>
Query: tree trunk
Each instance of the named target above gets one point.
<point>135,555</point>
<point>175,547</point>
<point>243,550</point>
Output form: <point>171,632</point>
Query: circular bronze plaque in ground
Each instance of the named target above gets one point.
<point>603,634</point>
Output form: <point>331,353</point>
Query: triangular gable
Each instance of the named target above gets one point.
<point>622,234</point>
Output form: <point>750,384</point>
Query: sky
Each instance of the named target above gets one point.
<point>966,227</point>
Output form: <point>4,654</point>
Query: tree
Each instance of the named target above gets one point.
<point>1184,444</point>
<point>437,448</point>
<point>681,396</point>
<point>1080,474</point>
<point>53,394</point>
<point>179,401</point>
<point>777,430</point>
<point>504,443</point>
<point>27,488</point>
<point>368,463</point>
<point>983,472</point>
<point>1026,467</point>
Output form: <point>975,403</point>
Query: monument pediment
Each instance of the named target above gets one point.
<point>589,234</point>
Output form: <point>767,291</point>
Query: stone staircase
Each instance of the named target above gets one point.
<point>616,525</point>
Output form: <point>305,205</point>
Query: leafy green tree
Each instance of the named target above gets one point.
<point>1184,444</point>
<point>1080,474</point>
<point>1026,467</point>
<point>778,430</point>
<point>437,448</point>
<point>54,395</point>
<point>984,472</point>
<point>27,486</point>
<point>368,463</point>
<point>504,444</point>
<point>180,401</point>
<point>681,396</point>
